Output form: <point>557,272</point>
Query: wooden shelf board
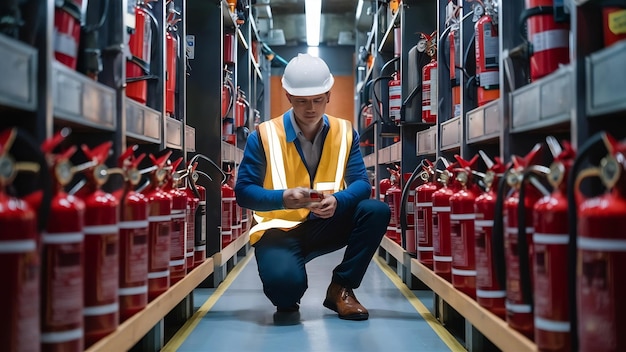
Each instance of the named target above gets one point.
<point>136,327</point>
<point>491,326</point>
<point>394,249</point>
<point>231,250</point>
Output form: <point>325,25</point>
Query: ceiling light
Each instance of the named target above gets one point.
<point>313,12</point>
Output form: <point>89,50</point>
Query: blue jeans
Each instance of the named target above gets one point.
<point>281,255</point>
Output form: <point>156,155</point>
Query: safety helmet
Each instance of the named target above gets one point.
<point>307,75</point>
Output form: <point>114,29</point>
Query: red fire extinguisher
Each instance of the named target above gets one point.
<point>62,256</point>
<point>242,109</point>
<point>19,258</point>
<point>199,249</point>
<point>177,259</point>
<point>236,211</point>
<point>200,192</point>
<point>489,293</point>
<point>228,200</point>
<point>229,104</point>
<point>392,198</point>
<point>228,94</point>
<point>454,61</point>
<point>518,245</point>
<point>230,43</point>
<point>172,56</point>
<point>159,228</point>
<point>101,295</point>
<point>68,16</point>
<point>140,45</point>
<point>549,38</point>
<point>190,218</point>
<point>429,82</point>
<point>424,214</point>
<point>442,251</point>
<point>487,52</point>
<point>383,186</point>
<point>551,303</point>
<point>599,253</point>
<point>395,97</point>
<point>613,19</point>
<point>462,236</point>
<point>133,278</point>
<point>407,212</point>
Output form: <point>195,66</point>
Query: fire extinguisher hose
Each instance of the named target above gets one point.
<point>593,146</point>
<point>203,157</point>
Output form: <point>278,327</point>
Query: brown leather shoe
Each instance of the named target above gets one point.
<point>343,301</point>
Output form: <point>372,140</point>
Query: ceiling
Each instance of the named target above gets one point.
<point>338,16</point>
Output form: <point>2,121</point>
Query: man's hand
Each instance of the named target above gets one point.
<point>325,208</point>
<point>300,197</point>
<point>322,206</point>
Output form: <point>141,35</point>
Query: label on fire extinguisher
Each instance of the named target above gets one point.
<point>65,44</point>
<point>433,91</point>
<point>177,244</point>
<point>20,263</point>
<point>191,232</point>
<point>482,253</point>
<point>395,100</point>
<point>435,229</point>
<point>424,238</point>
<point>514,283</point>
<point>600,292</point>
<point>491,49</point>
<point>458,239</point>
<point>136,243</point>
<point>553,39</point>
<point>160,237</point>
<point>64,261</point>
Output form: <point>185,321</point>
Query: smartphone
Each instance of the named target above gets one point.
<point>315,195</point>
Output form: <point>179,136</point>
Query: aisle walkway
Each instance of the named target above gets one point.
<point>237,316</point>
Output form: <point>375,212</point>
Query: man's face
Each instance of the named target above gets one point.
<point>309,109</point>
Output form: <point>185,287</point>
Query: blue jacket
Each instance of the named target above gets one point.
<point>249,187</point>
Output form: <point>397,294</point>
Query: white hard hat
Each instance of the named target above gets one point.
<point>307,75</point>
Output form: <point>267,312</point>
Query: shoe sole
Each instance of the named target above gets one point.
<point>357,316</point>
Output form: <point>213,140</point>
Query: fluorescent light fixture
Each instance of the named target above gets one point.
<point>313,13</point>
<point>313,51</point>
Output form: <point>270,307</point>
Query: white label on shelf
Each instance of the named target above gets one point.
<point>191,46</point>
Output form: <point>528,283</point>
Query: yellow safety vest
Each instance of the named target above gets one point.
<point>285,169</point>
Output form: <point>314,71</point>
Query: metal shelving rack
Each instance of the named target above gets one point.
<point>41,95</point>
<point>574,102</point>
<point>412,17</point>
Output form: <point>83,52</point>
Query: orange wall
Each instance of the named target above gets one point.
<point>341,98</point>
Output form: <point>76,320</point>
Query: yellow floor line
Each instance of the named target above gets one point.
<point>181,335</point>
<point>439,329</point>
